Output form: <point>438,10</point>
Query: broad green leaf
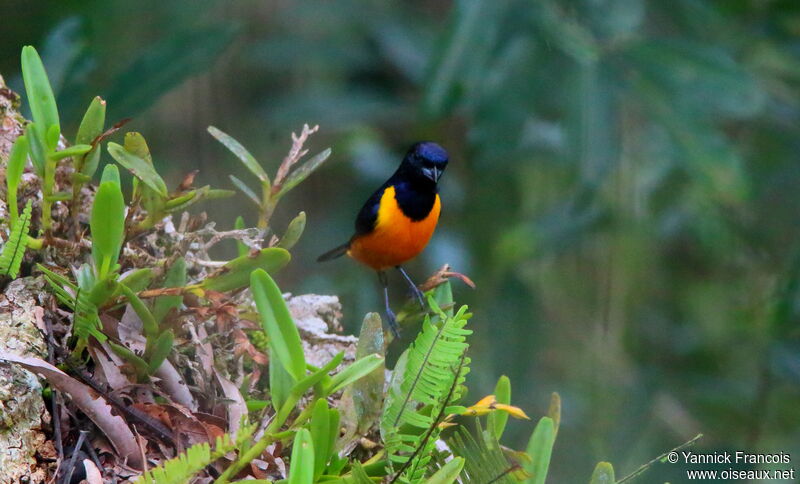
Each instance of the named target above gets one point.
<point>16,165</point>
<point>241,152</point>
<point>496,421</point>
<point>540,448</point>
<point>91,127</point>
<point>140,168</point>
<point>236,273</point>
<point>303,171</point>
<point>280,383</point>
<point>321,435</point>
<point>448,473</point>
<point>302,386</point>
<point>284,339</point>
<point>248,192</point>
<point>603,474</point>
<point>40,95</point>
<point>301,469</point>
<point>149,324</point>
<point>175,277</point>
<point>76,150</point>
<point>354,372</point>
<point>160,350</point>
<point>107,222</point>
<point>293,231</point>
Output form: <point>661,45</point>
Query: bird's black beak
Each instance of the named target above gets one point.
<point>433,173</point>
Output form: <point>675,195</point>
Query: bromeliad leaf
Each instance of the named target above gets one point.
<point>14,248</point>
<point>140,168</point>
<point>107,222</point>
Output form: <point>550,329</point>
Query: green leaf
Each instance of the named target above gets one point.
<point>496,421</point>
<point>40,95</point>
<point>139,365</point>
<point>321,435</point>
<point>603,474</point>
<point>248,192</point>
<point>137,279</point>
<point>14,248</point>
<point>16,165</point>
<point>284,340</point>
<point>36,148</point>
<point>140,168</point>
<point>236,273</point>
<point>160,350</point>
<point>354,372</point>
<point>280,383</point>
<point>241,248</point>
<point>175,277</point>
<point>448,473</point>
<point>76,150</point>
<point>241,152</point>
<point>293,231</point>
<point>149,324</point>
<point>303,171</point>
<point>302,463</point>
<point>540,448</point>
<point>361,402</point>
<point>107,222</point>
<point>91,127</point>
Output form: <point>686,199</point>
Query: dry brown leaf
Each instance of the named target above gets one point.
<point>92,404</point>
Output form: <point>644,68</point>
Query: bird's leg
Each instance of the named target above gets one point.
<point>389,313</point>
<point>414,288</point>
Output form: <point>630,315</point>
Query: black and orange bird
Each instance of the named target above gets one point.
<point>397,221</point>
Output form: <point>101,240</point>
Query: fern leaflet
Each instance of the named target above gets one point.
<point>14,249</point>
<point>184,467</point>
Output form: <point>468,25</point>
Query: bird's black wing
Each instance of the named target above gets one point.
<point>368,215</point>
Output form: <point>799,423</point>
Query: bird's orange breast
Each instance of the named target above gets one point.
<point>396,238</point>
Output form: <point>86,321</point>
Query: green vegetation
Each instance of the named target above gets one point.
<point>623,191</point>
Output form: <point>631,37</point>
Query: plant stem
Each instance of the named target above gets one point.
<point>646,466</point>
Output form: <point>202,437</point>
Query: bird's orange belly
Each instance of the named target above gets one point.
<point>395,238</point>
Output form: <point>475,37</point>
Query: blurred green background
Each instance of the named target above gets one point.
<point>624,186</point>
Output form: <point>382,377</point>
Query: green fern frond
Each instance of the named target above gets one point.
<point>484,459</point>
<point>183,468</point>
<point>14,249</point>
<point>422,384</point>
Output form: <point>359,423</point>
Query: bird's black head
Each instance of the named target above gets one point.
<point>425,160</point>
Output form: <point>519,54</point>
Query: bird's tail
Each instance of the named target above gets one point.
<point>334,253</point>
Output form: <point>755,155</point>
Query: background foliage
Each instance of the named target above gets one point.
<point>623,187</point>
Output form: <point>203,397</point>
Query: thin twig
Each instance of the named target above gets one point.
<point>75,451</point>
<point>661,457</point>
<point>54,403</point>
<point>295,153</point>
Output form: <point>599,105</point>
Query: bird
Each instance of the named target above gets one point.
<point>396,222</point>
